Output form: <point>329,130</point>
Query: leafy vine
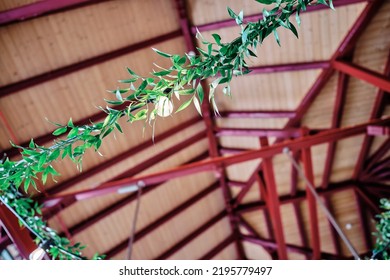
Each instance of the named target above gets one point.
<point>146,98</point>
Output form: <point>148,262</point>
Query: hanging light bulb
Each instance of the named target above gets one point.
<point>37,254</point>
<point>40,252</point>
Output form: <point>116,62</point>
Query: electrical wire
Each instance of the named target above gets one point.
<point>134,224</point>
<point>330,217</point>
<point>42,238</point>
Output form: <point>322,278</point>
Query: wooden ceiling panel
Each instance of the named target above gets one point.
<point>11,4</point>
<point>170,233</point>
<point>359,95</point>
<point>229,253</point>
<point>257,221</point>
<point>266,92</point>
<point>373,47</point>
<point>154,204</point>
<point>346,212</point>
<point>319,114</point>
<point>47,43</point>
<point>326,243</point>
<point>199,15</point>
<point>201,245</point>
<point>242,171</point>
<point>256,252</point>
<point>345,158</point>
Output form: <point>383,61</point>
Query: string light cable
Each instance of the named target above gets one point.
<point>330,217</point>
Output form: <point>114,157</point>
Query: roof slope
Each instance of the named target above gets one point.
<point>58,65</point>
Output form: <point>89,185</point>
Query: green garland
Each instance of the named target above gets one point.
<point>145,99</point>
<point>382,246</point>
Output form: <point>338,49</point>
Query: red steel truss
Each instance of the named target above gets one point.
<point>366,182</point>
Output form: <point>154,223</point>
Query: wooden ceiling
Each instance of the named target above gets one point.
<point>214,189</point>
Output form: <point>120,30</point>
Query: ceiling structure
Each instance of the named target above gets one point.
<point>214,187</point>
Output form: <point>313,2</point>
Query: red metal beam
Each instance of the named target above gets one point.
<point>376,112</point>
<point>208,165</point>
<point>298,197</point>
<point>165,218</point>
<point>40,8</point>
<point>296,206</point>
<point>363,220</point>
<point>183,242</point>
<point>258,114</point>
<point>381,151</point>
<point>125,201</point>
<point>232,151</point>
<point>218,248</point>
<point>41,78</point>
<point>378,167</point>
<point>232,183</point>
<point>50,211</point>
<point>274,207</point>
<point>124,155</point>
<point>378,131</point>
<point>259,176</point>
<point>367,198</point>
<point>312,204</point>
<point>336,120</point>
<point>20,236</point>
<point>253,233</point>
<point>374,78</point>
<point>213,144</point>
<point>343,50</point>
<point>4,242</point>
<point>300,66</point>
<point>256,17</point>
<point>257,132</point>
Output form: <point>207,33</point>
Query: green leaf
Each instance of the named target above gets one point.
<point>32,145</point>
<point>60,131</point>
<point>240,17</point>
<point>267,2</point>
<point>161,53</point>
<point>70,123</point>
<point>197,105</point>
<point>252,53</point>
<point>42,160</point>
<point>118,95</point>
<point>297,18</point>
<point>187,91</point>
<point>199,91</point>
<point>131,72</point>
<point>217,39</point>
<point>293,29</point>
<point>54,155</point>
<point>128,81</point>
<point>276,36</point>
<point>231,13</point>
<point>162,73</point>
<point>118,127</point>
<point>73,132</point>
<point>184,105</point>
<point>331,4</point>
<point>27,183</point>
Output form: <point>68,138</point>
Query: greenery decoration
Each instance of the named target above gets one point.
<point>146,98</point>
<point>382,246</point>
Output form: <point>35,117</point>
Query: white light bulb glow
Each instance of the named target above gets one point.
<point>164,106</point>
<point>37,254</point>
